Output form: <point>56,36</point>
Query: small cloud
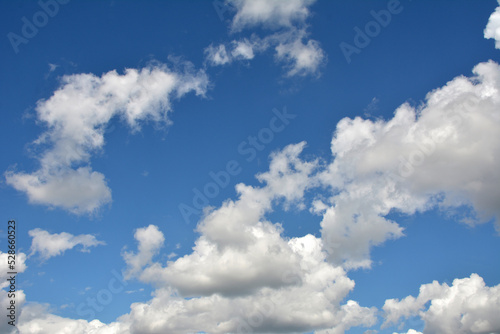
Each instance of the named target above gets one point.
<point>286,20</point>
<point>82,292</point>
<point>65,306</point>
<point>150,239</point>
<point>217,55</point>
<point>134,291</point>
<point>52,67</point>
<point>371,107</point>
<point>145,173</point>
<point>49,245</point>
<point>171,255</point>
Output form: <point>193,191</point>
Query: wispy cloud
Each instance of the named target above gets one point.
<point>286,21</point>
<point>48,245</point>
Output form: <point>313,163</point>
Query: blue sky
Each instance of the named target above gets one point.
<point>255,166</point>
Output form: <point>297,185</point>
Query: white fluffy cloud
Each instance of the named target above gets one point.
<point>468,306</point>
<point>76,116</point>
<point>492,29</point>
<point>167,313</point>
<point>438,154</point>
<point>266,309</point>
<point>48,245</point>
<point>77,190</point>
<point>269,13</point>
<point>231,270</point>
<point>37,319</point>
<point>150,239</point>
<point>243,275</point>
<point>300,55</point>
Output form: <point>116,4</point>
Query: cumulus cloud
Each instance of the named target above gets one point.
<point>266,309</point>
<point>396,309</point>
<point>230,271</point>
<point>48,245</point>
<point>167,313</point>
<point>439,154</point>
<point>287,19</point>
<point>492,29</point>
<point>269,13</point>
<point>468,306</point>
<point>37,319</point>
<point>150,239</point>
<point>76,116</point>
<point>244,275</point>
<point>77,190</point>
